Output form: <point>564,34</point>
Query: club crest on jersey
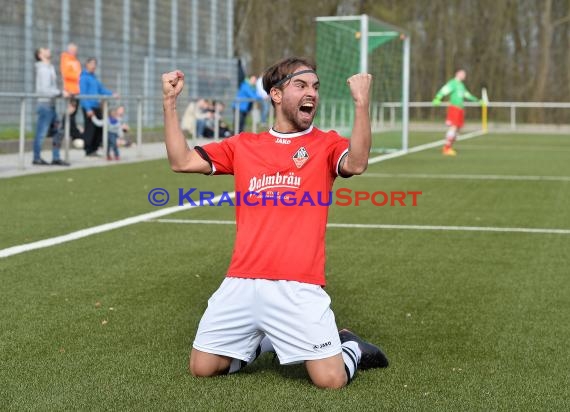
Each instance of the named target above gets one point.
<point>300,157</point>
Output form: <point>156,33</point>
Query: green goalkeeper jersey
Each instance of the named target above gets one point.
<point>457,93</point>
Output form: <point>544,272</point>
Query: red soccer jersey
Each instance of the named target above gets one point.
<point>281,240</point>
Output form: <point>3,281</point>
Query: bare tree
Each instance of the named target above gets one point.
<point>518,49</point>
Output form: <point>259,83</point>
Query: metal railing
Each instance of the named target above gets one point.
<point>27,102</point>
<point>333,114</point>
<point>24,97</point>
<point>392,107</point>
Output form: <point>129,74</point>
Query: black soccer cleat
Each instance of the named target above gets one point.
<point>372,355</point>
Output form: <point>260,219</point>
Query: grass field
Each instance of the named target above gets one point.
<point>471,319</point>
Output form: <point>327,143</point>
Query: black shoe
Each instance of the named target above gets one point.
<point>59,162</point>
<point>40,162</point>
<point>372,356</point>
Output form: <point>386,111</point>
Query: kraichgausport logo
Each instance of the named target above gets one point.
<point>340,197</point>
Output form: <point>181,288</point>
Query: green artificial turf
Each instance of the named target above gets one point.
<point>471,321</point>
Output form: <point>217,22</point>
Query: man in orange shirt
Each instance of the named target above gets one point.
<point>70,68</point>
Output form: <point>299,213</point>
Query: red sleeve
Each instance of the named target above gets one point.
<point>338,149</point>
<point>220,156</point>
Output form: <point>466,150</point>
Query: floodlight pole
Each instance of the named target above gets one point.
<point>364,43</point>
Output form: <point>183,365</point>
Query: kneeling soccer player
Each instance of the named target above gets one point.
<point>272,298</point>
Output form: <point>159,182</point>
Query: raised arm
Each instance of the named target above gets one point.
<point>444,91</point>
<point>356,161</point>
<point>181,157</point>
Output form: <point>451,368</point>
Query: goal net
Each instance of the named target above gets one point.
<point>347,45</point>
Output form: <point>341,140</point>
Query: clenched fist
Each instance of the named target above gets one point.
<point>172,83</point>
<point>359,86</point>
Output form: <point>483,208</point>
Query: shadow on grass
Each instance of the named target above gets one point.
<point>269,363</point>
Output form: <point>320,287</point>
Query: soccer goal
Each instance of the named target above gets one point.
<point>351,44</point>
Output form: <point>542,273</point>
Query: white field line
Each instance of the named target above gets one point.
<point>14,250</point>
<point>422,147</point>
<point>398,227</point>
<point>98,229</point>
<point>468,177</point>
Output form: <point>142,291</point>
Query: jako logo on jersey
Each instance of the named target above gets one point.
<point>257,184</point>
<point>282,141</point>
<point>300,157</point>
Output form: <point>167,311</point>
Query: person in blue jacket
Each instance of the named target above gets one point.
<point>90,85</point>
<point>245,93</point>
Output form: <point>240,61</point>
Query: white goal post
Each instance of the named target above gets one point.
<point>350,44</point>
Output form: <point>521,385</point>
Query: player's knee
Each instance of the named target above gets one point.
<point>330,380</point>
<point>202,368</point>
<point>201,371</point>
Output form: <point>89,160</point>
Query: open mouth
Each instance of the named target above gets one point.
<point>307,108</point>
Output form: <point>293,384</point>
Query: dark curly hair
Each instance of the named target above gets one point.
<point>282,68</point>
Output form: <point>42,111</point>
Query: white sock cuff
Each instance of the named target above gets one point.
<point>354,347</point>
<point>236,365</point>
<point>266,345</point>
<point>351,355</point>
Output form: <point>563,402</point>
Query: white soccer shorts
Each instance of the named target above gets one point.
<point>295,316</point>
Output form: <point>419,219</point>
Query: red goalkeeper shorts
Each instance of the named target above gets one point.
<point>455,116</point>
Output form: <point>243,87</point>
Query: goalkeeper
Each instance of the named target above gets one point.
<point>455,111</point>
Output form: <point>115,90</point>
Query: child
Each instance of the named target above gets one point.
<point>123,140</point>
<point>114,132</point>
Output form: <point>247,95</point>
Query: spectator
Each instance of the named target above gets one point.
<point>114,131</point>
<point>264,102</point>
<point>47,116</point>
<point>223,128</point>
<point>203,112</point>
<point>70,69</point>
<point>188,122</point>
<point>90,85</point>
<point>196,117</point>
<point>245,94</point>
<point>75,132</point>
<point>123,141</point>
